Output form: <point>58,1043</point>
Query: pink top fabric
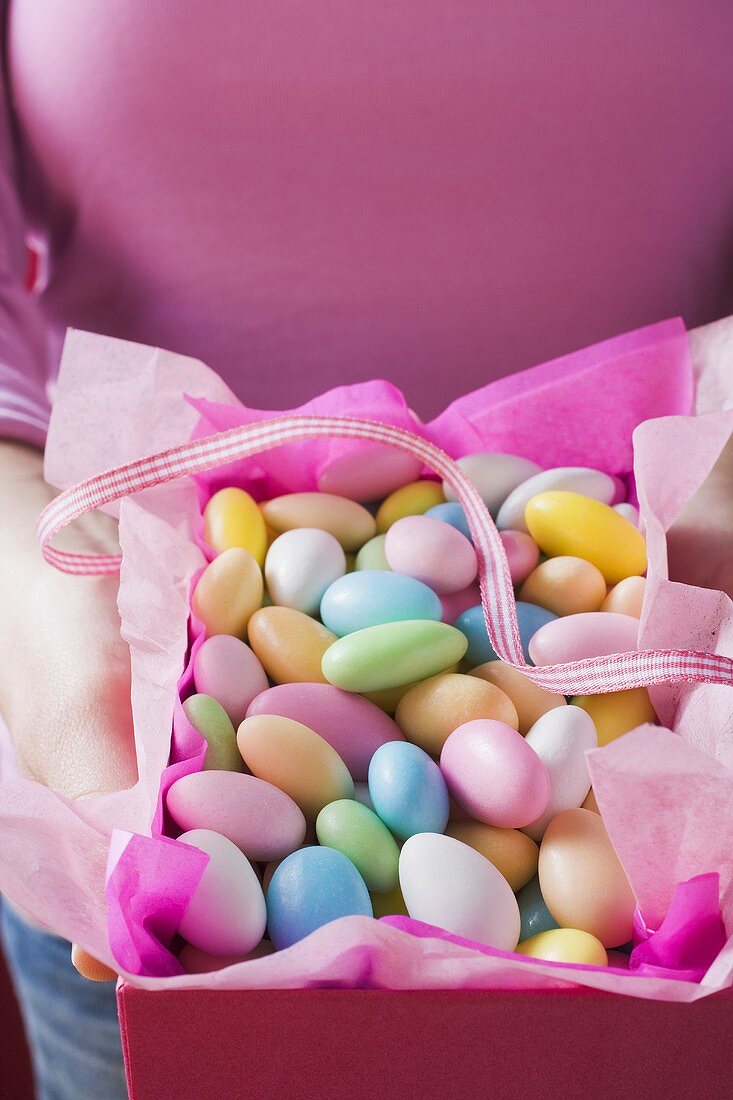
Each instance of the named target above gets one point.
<point>306,194</point>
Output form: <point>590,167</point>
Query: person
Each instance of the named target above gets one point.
<point>304,195</point>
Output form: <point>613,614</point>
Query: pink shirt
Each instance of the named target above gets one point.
<point>308,193</point>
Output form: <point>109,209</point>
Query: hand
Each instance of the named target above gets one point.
<point>65,674</point>
<point>700,542</point>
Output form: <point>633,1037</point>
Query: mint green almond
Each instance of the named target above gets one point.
<point>357,832</point>
<point>372,555</point>
<point>391,654</point>
<point>213,723</point>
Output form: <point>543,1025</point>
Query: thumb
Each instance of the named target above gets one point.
<point>89,967</point>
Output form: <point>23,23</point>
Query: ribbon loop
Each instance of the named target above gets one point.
<point>616,672</point>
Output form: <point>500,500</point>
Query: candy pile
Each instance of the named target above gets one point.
<point>369,754</point>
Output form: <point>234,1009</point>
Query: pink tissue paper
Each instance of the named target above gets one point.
<point>666,794</point>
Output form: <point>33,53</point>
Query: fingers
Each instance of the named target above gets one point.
<point>89,967</point>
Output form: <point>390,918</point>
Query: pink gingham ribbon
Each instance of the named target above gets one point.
<point>617,672</point>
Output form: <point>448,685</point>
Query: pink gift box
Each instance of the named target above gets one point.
<point>436,1045</point>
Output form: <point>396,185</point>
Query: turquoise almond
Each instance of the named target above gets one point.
<point>374,596</point>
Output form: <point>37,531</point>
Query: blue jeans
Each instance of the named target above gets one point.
<point>71,1024</point>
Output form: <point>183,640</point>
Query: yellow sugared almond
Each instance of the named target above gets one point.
<point>617,712</point>
<point>232,518</point>
<point>564,523</point>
